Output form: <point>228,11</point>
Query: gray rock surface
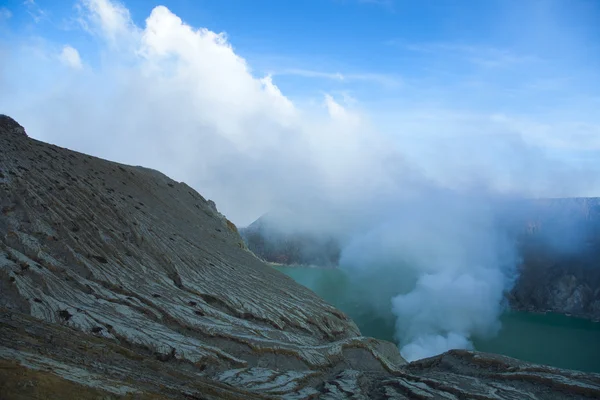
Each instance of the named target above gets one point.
<point>116,281</point>
<point>561,258</point>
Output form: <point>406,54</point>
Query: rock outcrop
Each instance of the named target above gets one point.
<point>118,282</point>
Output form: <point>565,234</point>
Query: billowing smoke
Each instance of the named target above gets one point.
<point>453,263</point>
<point>411,204</point>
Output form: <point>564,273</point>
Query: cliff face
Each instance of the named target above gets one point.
<point>116,281</point>
<point>290,248</point>
<point>563,285</point>
<point>560,249</point>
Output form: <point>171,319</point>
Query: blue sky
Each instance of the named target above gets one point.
<point>377,45</point>
<point>504,89</point>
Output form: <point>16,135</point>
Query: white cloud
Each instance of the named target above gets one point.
<point>181,100</point>
<point>5,13</point>
<point>313,74</point>
<point>70,57</point>
<point>37,13</point>
<point>109,19</point>
<point>484,56</point>
<point>191,106</point>
<point>379,79</point>
<point>383,3</point>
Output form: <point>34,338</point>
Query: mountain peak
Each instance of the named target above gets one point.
<point>10,126</point>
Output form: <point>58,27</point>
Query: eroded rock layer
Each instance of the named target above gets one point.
<point>116,281</point>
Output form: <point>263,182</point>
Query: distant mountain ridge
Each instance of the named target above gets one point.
<point>290,248</point>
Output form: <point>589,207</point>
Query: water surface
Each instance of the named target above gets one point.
<point>551,339</point>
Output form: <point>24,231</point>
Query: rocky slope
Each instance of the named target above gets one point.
<point>118,282</point>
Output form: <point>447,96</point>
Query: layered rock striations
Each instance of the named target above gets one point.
<point>118,282</point>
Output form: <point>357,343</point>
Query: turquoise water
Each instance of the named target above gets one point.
<point>551,339</point>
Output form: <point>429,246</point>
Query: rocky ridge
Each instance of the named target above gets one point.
<point>118,282</point>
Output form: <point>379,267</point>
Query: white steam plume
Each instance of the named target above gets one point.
<point>454,262</point>
<point>181,100</point>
